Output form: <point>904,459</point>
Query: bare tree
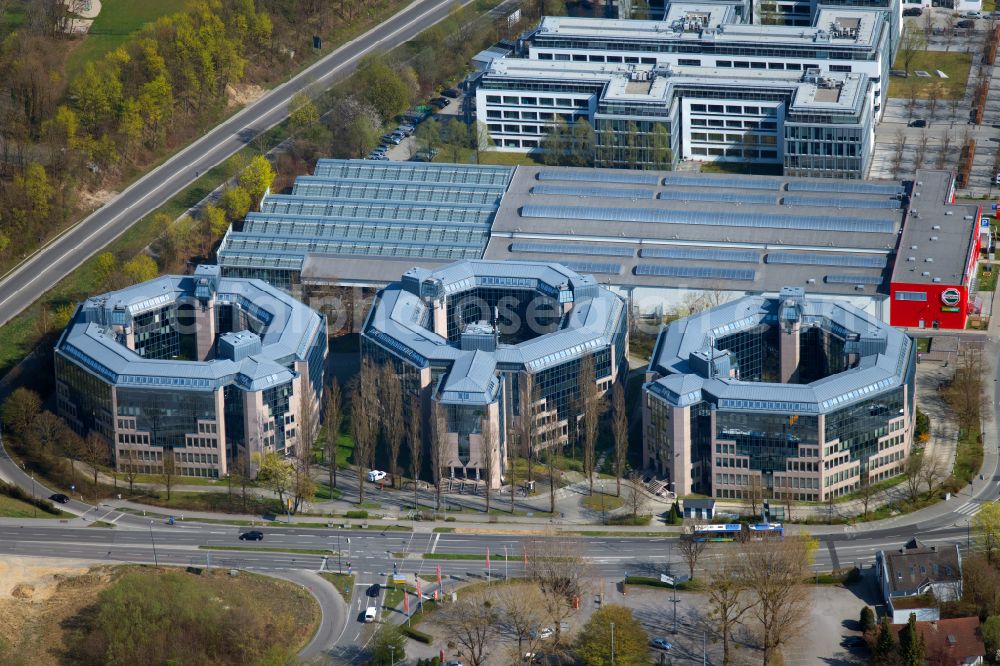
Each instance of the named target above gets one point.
<point>522,609</point>
<point>911,43</point>
<point>561,573</point>
<point>438,441</point>
<point>942,159</point>
<point>754,492</point>
<point>94,451</point>
<point>471,624</point>
<point>550,456</point>
<point>729,602</point>
<point>334,420</point>
<point>391,394</point>
<point>415,443</point>
<point>129,464</point>
<point>931,473</point>
<point>912,470</point>
<point>619,428</point>
<point>304,487</point>
<point>635,499</point>
<point>774,574</point>
<point>867,491</point>
<point>591,407</point>
<point>513,438</point>
<point>168,470</point>
<point>489,452</point>
<point>690,548</point>
<point>243,471</point>
<point>934,93</point>
<point>918,161</point>
<point>362,424</point>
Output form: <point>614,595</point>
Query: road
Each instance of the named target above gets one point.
<point>41,271</point>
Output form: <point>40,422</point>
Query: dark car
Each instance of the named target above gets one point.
<point>374,590</point>
<point>919,122</point>
<point>966,24</point>
<point>440,102</point>
<point>450,92</point>
<point>913,11</point>
<point>59,497</point>
<point>252,535</point>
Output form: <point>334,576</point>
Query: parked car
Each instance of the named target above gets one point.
<point>392,138</point>
<point>966,24</point>
<point>661,644</point>
<point>453,662</point>
<point>543,633</point>
<point>252,535</point>
<point>995,15</point>
<point>370,614</point>
<point>406,130</point>
<point>440,102</point>
<point>59,497</point>
<point>913,11</point>
<point>381,157</point>
<point>376,475</point>
<point>918,122</point>
<point>451,92</point>
<point>972,15</point>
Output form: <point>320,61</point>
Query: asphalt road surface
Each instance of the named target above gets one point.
<point>42,270</point>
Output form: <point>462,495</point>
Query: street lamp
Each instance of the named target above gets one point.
<point>612,644</point>
<point>392,655</point>
<point>156,563</point>
<point>34,509</point>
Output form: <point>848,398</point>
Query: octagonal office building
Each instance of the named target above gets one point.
<point>787,397</point>
<point>474,341</point>
<point>201,368</point>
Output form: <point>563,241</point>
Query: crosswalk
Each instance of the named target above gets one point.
<point>968,509</point>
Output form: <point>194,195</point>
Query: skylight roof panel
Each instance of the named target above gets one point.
<point>846,187</point>
<point>840,202</point>
<point>743,274</point>
<point>582,191</point>
<point>818,259</point>
<point>853,279</point>
<point>698,180</point>
<point>598,177</point>
<point>722,196</point>
<point>699,254</point>
<point>571,248</point>
<point>593,267</point>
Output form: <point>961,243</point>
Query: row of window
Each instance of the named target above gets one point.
<point>732,109</point>
<point>201,442</point>
<point>756,64</point>
<point>802,466</point>
<point>493,114</point>
<point>582,57</point>
<point>796,482</point>
<point>141,455</point>
<point>719,122</point>
<point>719,137</point>
<point>538,101</point>
<point>736,152</point>
<point>204,472</point>
<point>209,428</point>
<point>885,460</point>
<point>133,439</point>
<point>518,143</point>
<point>205,458</point>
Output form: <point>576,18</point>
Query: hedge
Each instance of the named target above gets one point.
<point>19,494</point>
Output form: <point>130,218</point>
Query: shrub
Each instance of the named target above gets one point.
<point>867,620</point>
<point>417,635</point>
<point>629,520</point>
<point>20,494</point>
<point>357,514</point>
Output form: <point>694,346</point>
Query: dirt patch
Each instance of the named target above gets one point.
<point>35,594</point>
<point>241,94</point>
<point>94,200</point>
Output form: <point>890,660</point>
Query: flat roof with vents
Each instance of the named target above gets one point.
<point>938,235</point>
<point>700,230</point>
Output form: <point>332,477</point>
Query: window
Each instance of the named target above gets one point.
<point>793,65</point>
<point>734,109</point>
<point>716,108</point>
<point>911,296</point>
<point>742,64</point>
<point>751,110</point>
<point>840,68</point>
<point>723,63</point>
<point>648,61</point>
<point>511,100</point>
<point>775,65</point>
<point>529,100</point>
<point>689,62</point>
<point>579,57</point>
<point>564,102</point>
<point>545,56</point>
<point>596,58</point>
<point>698,107</point>
<point>562,56</point>
<point>758,65</point>
<point>631,60</point>
<point>493,99</point>
<point>529,115</point>
<point>512,129</point>
<point>511,115</point>
<point>614,58</point>
<point>545,101</point>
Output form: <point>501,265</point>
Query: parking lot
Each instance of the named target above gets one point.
<point>400,142</point>
<point>930,133</point>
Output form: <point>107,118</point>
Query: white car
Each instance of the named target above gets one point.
<point>376,475</point>
<point>370,614</point>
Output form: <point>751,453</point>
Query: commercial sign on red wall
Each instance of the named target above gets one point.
<point>929,305</point>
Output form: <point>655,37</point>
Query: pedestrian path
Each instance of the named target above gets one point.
<point>968,509</point>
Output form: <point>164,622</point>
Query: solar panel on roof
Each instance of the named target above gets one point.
<point>720,219</point>
<point>853,279</point>
<point>605,176</point>
<point>817,259</point>
<point>570,248</point>
<point>845,187</point>
<point>746,274</point>
<point>698,180</point>
<point>699,254</point>
<point>840,202</point>
<point>720,196</point>
<point>604,192</point>
<point>584,267</point>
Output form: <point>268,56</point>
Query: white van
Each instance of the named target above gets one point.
<point>370,613</point>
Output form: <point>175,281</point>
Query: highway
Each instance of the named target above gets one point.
<point>42,270</point>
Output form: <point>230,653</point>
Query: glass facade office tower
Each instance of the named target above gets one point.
<point>199,368</point>
<point>779,397</point>
<point>476,342</point>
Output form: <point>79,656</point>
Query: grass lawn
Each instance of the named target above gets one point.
<point>343,582</point>
<point>15,508</point>
<point>205,501</point>
<point>468,156</point>
<point>956,65</point>
<point>13,19</point>
<point>118,19</point>
<point>602,502</point>
<point>923,345</point>
<point>987,279</point>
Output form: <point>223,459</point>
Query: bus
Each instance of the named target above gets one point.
<point>739,532</point>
